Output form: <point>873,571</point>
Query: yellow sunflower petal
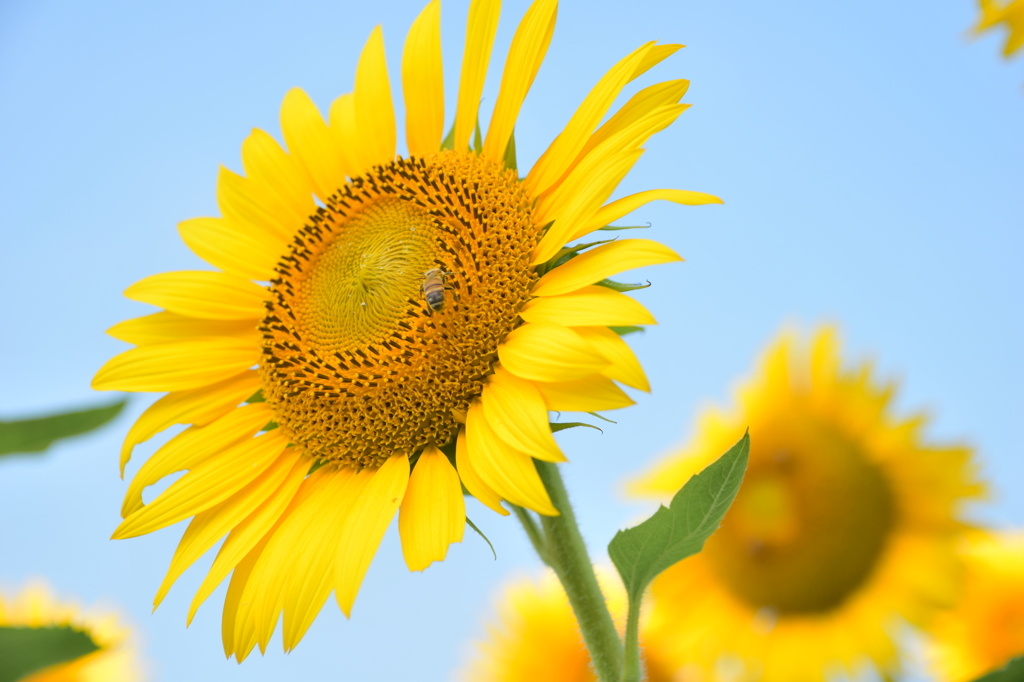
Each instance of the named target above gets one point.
<point>253,532</point>
<point>433,513</point>
<point>234,596</point>
<point>297,545</point>
<point>198,293</point>
<point>655,56</point>
<point>200,406</point>
<point>624,365</point>
<point>375,114</point>
<point>602,262</point>
<point>563,151</point>
<point>505,470</point>
<point>244,203</point>
<point>365,526</point>
<point>586,189</point>
<point>213,524</point>
<point>208,484</point>
<point>471,479</point>
<point>516,412</point>
<point>620,207</point>
<point>347,140</point>
<point>224,245</point>
<point>313,578</point>
<point>176,365</point>
<point>589,306</point>
<point>639,106</point>
<point>312,143</point>
<point>549,352</point>
<point>192,446</point>
<point>423,82</point>
<point>529,45</point>
<point>481,26</point>
<point>284,188</point>
<point>162,327</point>
<point>593,394</point>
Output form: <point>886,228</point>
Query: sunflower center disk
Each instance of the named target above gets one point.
<point>356,365</point>
<point>808,525</point>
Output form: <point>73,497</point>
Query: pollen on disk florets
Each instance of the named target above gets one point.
<point>355,364</point>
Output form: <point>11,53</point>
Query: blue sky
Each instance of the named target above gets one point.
<point>870,156</point>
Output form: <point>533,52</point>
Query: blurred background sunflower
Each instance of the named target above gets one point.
<point>845,529</point>
<point>88,645</point>
<point>866,153</point>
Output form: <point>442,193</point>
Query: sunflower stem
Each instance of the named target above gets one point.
<point>533,532</point>
<point>633,669</point>
<point>567,555</point>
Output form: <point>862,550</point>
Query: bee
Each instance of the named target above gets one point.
<point>434,287</point>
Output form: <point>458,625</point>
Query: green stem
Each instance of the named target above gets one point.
<point>568,557</point>
<point>533,532</point>
<point>634,671</point>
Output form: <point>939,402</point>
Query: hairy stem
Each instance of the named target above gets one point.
<point>567,555</point>
<point>633,669</point>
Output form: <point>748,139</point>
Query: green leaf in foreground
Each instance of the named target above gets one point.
<point>36,435</point>
<point>1012,672</point>
<point>642,552</point>
<point>25,650</point>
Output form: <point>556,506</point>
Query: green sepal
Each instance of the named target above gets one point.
<point>622,287</point>
<point>478,140</point>
<point>256,397</point>
<point>270,426</point>
<point>1011,672</point>
<point>602,418</point>
<point>316,465</point>
<point>615,228</point>
<point>674,533</point>
<point>481,534</point>
<point>565,254</point>
<point>449,139</point>
<point>622,331</point>
<point>510,153</point>
<point>562,426</point>
<point>36,435</point>
<point>25,650</point>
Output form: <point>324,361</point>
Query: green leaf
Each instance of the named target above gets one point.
<point>25,650</point>
<point>36,435</point>
<point>642,552</point>
<point>481,534</point>
<point>615,228</point>
<point>510,153</point>
<point>622,287</point>
<point>1011,672</point>
<point>562,426</point>
<point>622,331</point>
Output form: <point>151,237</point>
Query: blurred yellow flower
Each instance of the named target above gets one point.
<point>114,659</point>
<point>986,628</point>
<point>414,304</point>
<point>1010,16</point>
<point>845,527</point>
<point>535,636</point>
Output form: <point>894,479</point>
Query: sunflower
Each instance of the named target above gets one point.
<point>100,647</point>
<point>994,13</point>
<point>383,330</point>
<point>986,628</point>
<point>845,527</point>
<point>535,636</point>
